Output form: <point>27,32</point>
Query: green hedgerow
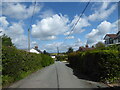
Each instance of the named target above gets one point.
<point>16,64</point>
<point>98,64</point>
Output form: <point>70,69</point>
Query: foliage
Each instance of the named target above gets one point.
<point>113,47</point>
<point>100,45</point>
<point>70,50</point>
<point>6,41</point>
<point>61,57</point>
<point>18,63</point>
<point>45,52</point>
<point>101,65</point>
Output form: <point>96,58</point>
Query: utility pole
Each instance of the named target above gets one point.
<point>57,50</point>
<point>29,40</point>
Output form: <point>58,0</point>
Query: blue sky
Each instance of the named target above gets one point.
<point>53,21</point>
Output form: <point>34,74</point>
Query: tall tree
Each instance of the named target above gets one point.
<point>70,50</point>
<point>6,41</point>
<point>45,52</point>
<point>100,45</point>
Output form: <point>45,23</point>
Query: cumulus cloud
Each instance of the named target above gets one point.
<point>102,12</point>
<point>103,28</point>
<point>15,31</point>
<point>3,22</point>
<point>78,43</point>
<point>70,37</point>
<point>52,47</point>
<point>18,10</point>
<point>48,28</point>
<point>63,47</point>
<point>47,13</point>
<point>83,22</point>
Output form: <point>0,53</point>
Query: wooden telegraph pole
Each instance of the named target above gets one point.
<point>29,40</point>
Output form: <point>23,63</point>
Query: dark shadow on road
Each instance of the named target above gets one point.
<point>77,73</point>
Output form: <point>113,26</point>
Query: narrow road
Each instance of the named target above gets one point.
<point>57,75</point>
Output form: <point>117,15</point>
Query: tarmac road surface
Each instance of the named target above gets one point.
<point>57,75</point>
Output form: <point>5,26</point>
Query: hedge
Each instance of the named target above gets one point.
<point>61,57</point>
<point>16,64</point>
<point>101,65</point>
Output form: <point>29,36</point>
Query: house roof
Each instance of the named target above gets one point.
<point>111,35</point>
<point>118,32</point>
<point>34,51</point>
<point>84,49</point>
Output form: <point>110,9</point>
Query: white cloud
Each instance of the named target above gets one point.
<point>103,28</point>
<point>70,37</point>
<point>78,42</point>
<point>83,22</point>
<point>47,13</point>
<point>2,31</point>
<point>63,47</point>
<point>52,47</point>
<point>102,12</point>
<point>67,33</point>
<point>92,33</point>
<point>20,41</point>
<point>15,31</point>
<point>48,28</point>
<point>3,22</point>
<point>18,10</point>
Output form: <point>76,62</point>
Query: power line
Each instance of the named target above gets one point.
<point>73,28</point>
<point>77,21</point>
<point>33,14</point>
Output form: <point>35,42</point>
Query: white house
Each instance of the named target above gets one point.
<point>53,56</point>
<point>35,50</point>
<point>112,38</point>
<point>117,39</point>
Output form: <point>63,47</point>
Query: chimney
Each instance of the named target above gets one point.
<point>93,47</point>
<point>36,47</point>
<point>86,46</point>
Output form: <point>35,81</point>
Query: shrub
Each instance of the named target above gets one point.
<point>18,63</point>
<point>61,57</point>
<point>98,64</point>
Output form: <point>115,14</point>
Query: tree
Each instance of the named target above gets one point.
<point>6,41</point>
<point>45,52</point>
<point>100,45</point>
<point>70,50</point>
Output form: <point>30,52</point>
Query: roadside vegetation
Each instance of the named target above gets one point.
<point>101,63</point>
<point>17,64</point>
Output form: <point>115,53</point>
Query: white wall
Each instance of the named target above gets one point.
<point>34,51</point>
<point>115,41</point>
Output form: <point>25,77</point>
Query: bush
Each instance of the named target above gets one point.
<point>99,64</point>
<point>111,47</point>
<point>61,57</point>
<point>17,64</point>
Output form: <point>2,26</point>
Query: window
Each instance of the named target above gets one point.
<point>110,41</point>
<point>119,38</point>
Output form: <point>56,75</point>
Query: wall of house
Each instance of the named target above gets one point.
<point>115,41</point>
<point>107,40</point>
